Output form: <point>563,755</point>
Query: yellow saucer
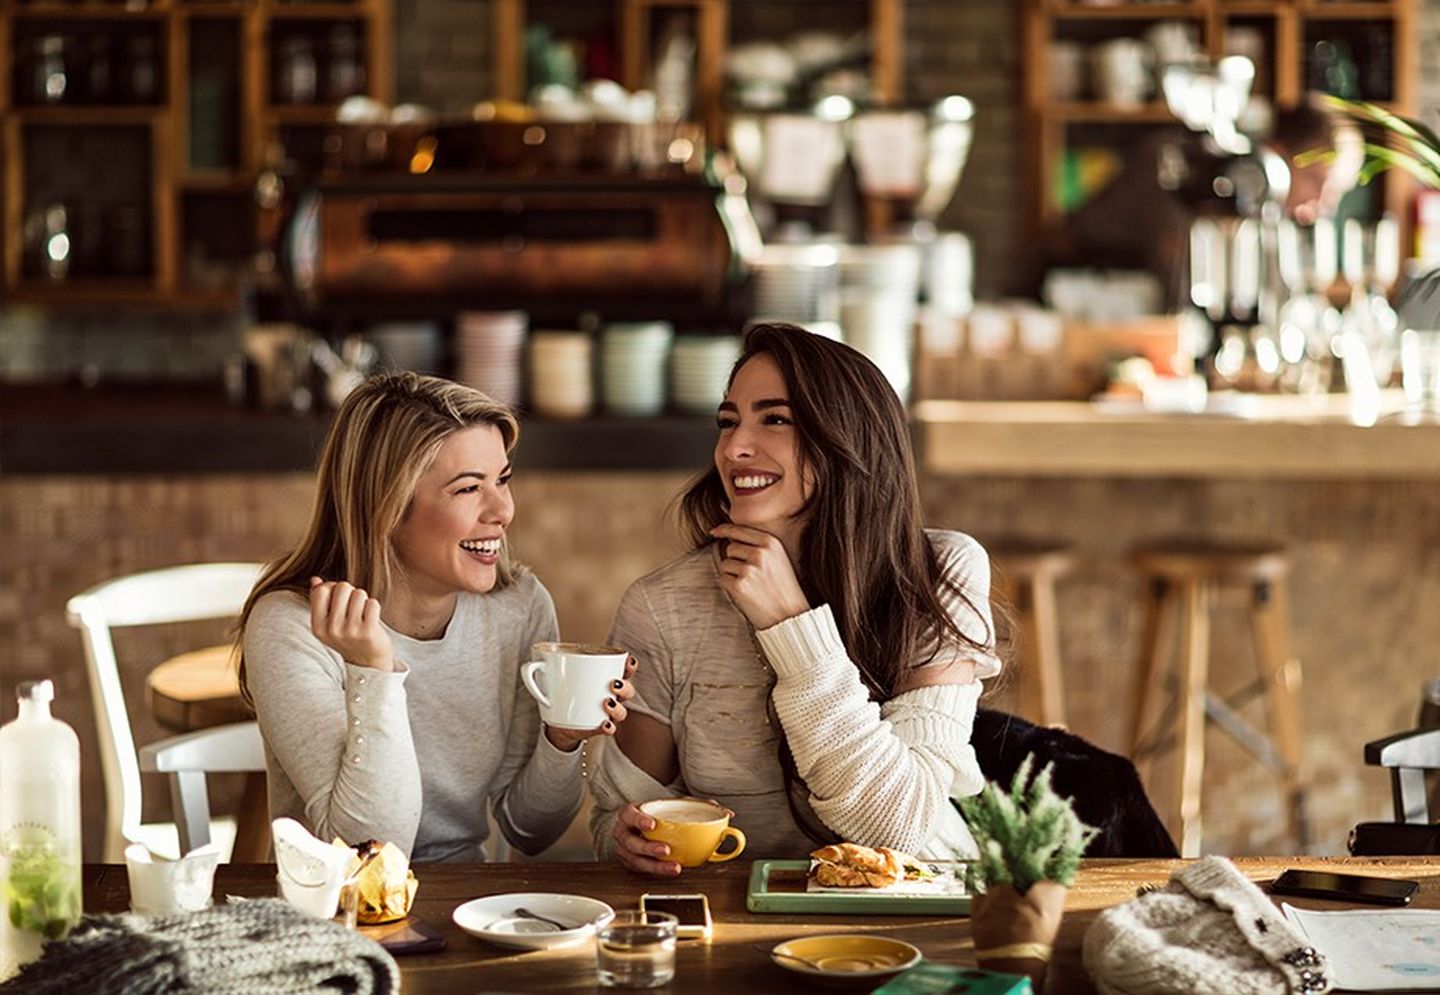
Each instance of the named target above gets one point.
<point>846,957</point>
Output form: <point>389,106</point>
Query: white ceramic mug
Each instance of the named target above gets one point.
<point>571,682</point>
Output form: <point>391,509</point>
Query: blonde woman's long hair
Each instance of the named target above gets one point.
<point>383,439</point>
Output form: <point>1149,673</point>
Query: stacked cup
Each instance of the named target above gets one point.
<point>488,348</point>
<point>560,383</point>
<point>699,368</point>
<point>632,367</point>
<point>407,345</point>
<point>796,283</point>
<point>879,287</point>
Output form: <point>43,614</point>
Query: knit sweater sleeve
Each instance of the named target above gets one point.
<point>615,780</point>
<point>340,733</point>
<point>539,787</point>
<point>877,776</point>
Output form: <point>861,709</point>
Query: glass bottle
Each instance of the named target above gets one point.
<point>346,73</point>
<point>39,828</point>
<point>298,82</point>
<point>50,79</point>
<point>142,70</point>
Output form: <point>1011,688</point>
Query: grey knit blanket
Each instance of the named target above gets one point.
<point>261,947</point>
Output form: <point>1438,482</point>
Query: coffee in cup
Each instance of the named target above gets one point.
<point>695,830</point>
<point>571,682</point>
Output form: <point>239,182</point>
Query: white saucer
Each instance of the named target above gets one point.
<point>493,919</point>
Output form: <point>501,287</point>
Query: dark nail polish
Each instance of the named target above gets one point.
<point>612,702</point>
<point>617,685</point>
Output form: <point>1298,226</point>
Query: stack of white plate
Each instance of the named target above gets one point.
<point>879,287</point>
<point>407,345</point>
<point>560,382</point>
<point>699,368</point>
<point>488,348</point>
<point>632,367</point>
<point>797,283</point>
<point>950,275</point>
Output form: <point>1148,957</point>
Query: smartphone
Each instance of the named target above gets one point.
<point>1345,887</point>
<point>693,911</point>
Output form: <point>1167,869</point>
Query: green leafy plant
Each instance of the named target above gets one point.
<point>1025,835</point>
<point>1391,141</point>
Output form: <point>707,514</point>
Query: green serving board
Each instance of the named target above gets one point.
<point>763,896</point>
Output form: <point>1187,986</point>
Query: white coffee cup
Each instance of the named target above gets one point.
<point>571,682</point>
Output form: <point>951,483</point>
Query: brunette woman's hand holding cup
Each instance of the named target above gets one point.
<point>621,691</point>
<point>635,851</point>
<point>346,619</point>
<point>757,573</point>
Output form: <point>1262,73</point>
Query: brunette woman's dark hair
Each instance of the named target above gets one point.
<point>863,550</point>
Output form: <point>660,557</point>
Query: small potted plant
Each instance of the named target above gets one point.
<point>1030,844</point>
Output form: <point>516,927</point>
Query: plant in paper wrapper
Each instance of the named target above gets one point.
<point>1030,843</point>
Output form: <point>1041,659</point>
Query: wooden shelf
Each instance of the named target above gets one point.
<point>1096,113</point>
<point>85,12</point>
<point>218,181</point>
<point>318,11</point>
<point>318,114</point>
<point>91,116</point>
<point>85,292</point>
<point>1126,11</point>
<point>1351,12</point>
<point>216,8</point>
<point>237,42</point>
<point>1047,121</point>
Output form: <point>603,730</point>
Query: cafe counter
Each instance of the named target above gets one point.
<point>1250,436</point>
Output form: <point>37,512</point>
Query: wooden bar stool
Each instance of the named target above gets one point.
<point>1025,572</point>
<point>1183,581</point>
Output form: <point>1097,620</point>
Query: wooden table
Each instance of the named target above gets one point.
<point>198,690</point>
<point>736,959</point>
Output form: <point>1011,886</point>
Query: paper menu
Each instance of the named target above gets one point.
<point>1375,950</point>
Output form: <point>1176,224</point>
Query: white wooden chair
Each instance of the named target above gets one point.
<point>174,594</point>
<point>187,759</point>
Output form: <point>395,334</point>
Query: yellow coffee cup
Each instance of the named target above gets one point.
<point>694,828</point>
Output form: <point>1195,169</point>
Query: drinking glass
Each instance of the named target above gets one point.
<point>636,949</point>
<point>1420,371</point>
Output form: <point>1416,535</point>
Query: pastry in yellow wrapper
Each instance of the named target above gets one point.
<point>384,882</point>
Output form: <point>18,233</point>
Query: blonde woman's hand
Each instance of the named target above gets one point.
<point>757,574</point>
<point>636,852</point>
<point>621,691</point>
<point>347,620</point>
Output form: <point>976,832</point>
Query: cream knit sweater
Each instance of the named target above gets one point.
<point>881,775</point>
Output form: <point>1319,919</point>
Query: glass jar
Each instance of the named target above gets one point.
<point>99,69</point>
<point>346,72</point>
<point>298,79</point>
<point>50,78</point>
<point>142,70</point>
<point>48,239</point>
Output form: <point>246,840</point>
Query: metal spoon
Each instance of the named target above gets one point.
<point>527,914</point>
<point>813,965</point>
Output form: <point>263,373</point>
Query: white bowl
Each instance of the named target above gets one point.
<point>493,919</point>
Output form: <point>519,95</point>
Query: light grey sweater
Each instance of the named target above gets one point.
<point>413,756</point>
<point>877,774</point>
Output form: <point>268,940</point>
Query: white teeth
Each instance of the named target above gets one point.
<point>754,481</point>
<point>490,546</point>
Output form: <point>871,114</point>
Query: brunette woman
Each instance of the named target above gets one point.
<point>815,662</point>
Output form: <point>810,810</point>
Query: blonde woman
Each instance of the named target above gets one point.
<point>382,654</point>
